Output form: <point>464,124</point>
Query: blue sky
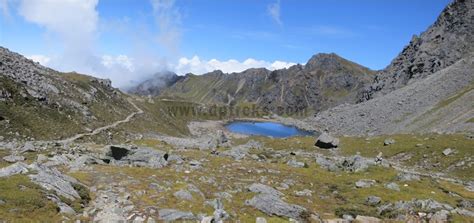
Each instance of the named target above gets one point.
<point>126,40</point>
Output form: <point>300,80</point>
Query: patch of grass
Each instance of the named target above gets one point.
<point>470,120</point>
<point>24,201</point>
<point>423,149</point>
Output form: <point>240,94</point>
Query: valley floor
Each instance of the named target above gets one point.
<point>210,175</point>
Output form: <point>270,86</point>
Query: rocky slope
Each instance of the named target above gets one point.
<point>428,87</point>
<point>326,80</point>
<point>42,103</point>
<point>448,40</point>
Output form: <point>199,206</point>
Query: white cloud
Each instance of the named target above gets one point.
<point>197,66</point>
<point>73,23</point>
<point>168,19</point>
<point>122,61</point>
<point>4,8</point>
<point>42,59</point>
<point>274,11</point>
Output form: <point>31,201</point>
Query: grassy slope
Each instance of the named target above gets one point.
<point>35,119</point>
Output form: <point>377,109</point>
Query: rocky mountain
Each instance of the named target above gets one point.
<point>445,42</point>
<point>428,87</point>
<point>155,84</point>
<point>39,102</point>
<point>326,80</point>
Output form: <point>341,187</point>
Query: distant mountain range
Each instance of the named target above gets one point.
<point>428,87</point>
<point>324,81</point>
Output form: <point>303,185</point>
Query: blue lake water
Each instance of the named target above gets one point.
<point>272,129</point>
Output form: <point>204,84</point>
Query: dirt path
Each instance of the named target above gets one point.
<point>103,128</point>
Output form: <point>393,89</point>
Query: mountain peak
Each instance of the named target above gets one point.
<point>327,61</point>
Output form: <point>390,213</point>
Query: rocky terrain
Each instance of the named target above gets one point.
<point>427,88</point>
<point>72,148</point>
<point>444,43</point>
<point>324,81</point>
<point>38,102</point>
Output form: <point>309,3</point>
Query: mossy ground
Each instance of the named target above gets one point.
<point>25,201</point>
<point>333,192</point>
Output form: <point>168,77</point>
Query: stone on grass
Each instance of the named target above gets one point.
<point>17,168</point>
<point>387,142</point>
<point>365,183</point>
<point>367,219</point>
<point>392,186</point>
<point>408,177</point>
<point>52,179</point>
<point>13,158</point>
<point>294,163</point>
<point>373,200</point>
<point>325,141</point>
<point>183,195</point>
<point>260,220</point>
<point>264,189</point>
<point>448,151</point>
<point>168,215</point>
<point>273,205</point>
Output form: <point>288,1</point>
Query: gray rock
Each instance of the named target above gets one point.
<point>325,141</point>
<point>141,157</point>
<point>13,158</point>
<point>237,153</point>
<point>470,186</point>
<point>464,212</point>
<point>294,163</point>
<point>264,189</point>
<point>271,204</point>
<point>63,208</point>
<point>448,151</point>
<point>373,200</point>
<point>260,220</point>
<point>466,204</point>
<point>392,186</point>
<point>327,163</point>
<point>28,147</point>
<point>367,219</point>
<point>350,164</point>
<point>2,202</point>
<point>52,179</point>
<point>365,183</point>
<point>304,193</point>
<point>348,217</point>
<point>168,215</point>
<point>183,195</point>
<point>387,142</point>
<point>17,168</point>
<point>408,177</point>
<point>440,216</point>
<point>219,214</point>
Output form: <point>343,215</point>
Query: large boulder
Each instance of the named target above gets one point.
<point>269,202</point>
<point>52,179</point>
<point>325,141</point>
<point>274,205</point>
<point>135,156</point>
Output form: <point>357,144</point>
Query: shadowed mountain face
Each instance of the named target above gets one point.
<point>326,80</point>
<point>40,102</point>
<point>448,40</point>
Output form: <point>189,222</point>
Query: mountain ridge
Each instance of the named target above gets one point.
<point>269,89</point>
